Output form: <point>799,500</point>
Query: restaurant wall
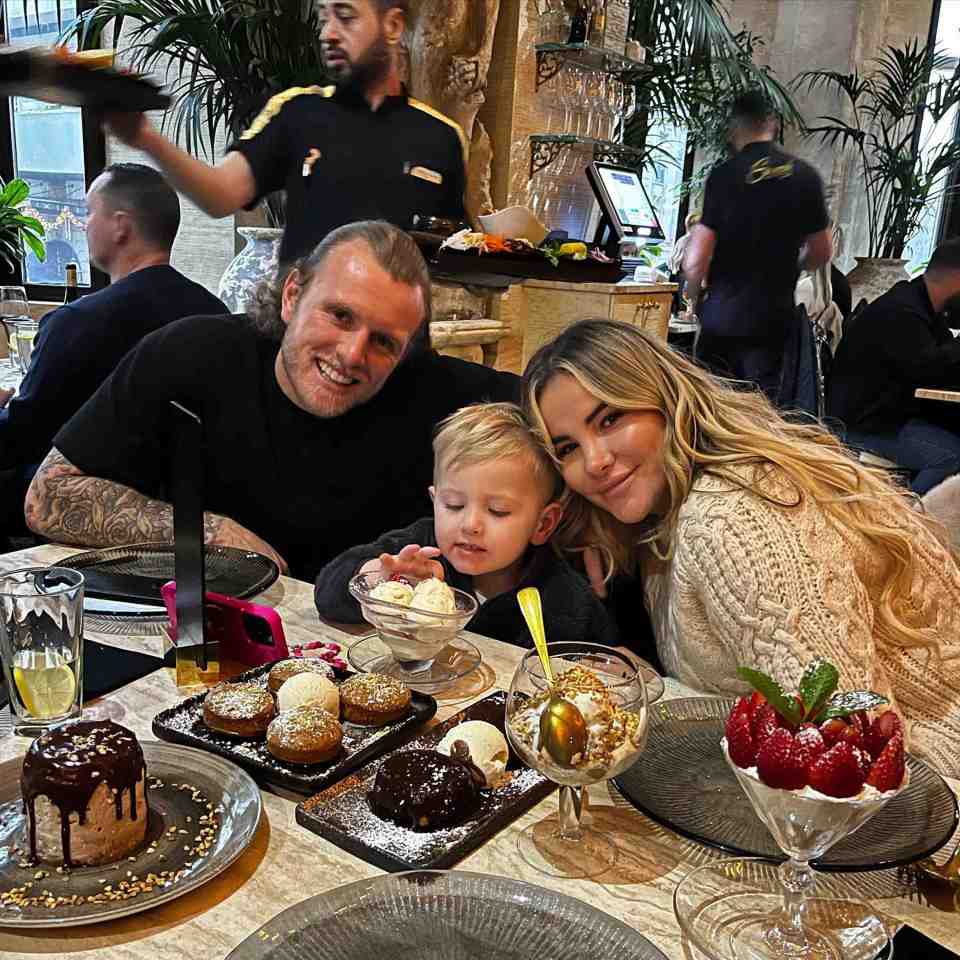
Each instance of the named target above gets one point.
<point>841,35</point>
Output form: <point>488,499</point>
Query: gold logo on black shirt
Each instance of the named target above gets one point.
<point>762,170</point>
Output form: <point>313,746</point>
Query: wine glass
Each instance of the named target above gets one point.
<point>596,103</point>
<point>616,100</point>
<point>608,688</point>
<point>734,908</point>
<point>14,309</point>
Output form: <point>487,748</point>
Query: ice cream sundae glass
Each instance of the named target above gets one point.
<point>607,688</point>
<point>416,621</point>
<point>815,766</point>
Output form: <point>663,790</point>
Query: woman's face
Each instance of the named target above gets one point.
<point>612,457</point>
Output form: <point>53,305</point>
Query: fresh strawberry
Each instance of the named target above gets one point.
<point>861,719</point>
<point>741,706</point>
<point>832,730</point>
<point>881,730</point>
<point>837,772</point>
<point>764,722</point>
<point>853,735</point>
<point>810,743</point>
<point>887,770</point>
<point>757,700</point>
<point>779,763</point>
<point>740,743</point>
<point>864,759</point>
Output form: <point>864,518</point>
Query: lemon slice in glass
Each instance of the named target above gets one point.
<point>46,691</point>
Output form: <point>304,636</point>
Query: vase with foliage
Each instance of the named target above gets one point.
<point>17,228</point>
<point>891,112</point>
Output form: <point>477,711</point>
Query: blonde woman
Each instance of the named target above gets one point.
<point>760,542</point>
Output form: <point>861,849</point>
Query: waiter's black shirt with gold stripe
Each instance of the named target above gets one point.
<point>340,161</point>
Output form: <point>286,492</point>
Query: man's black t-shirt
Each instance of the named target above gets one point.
<point>898,343</point>
<point>310,487</point>
<point>78,346</point>
<point>339,162</point>
<point>761,204</point>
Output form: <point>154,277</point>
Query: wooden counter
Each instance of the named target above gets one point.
<point>551,306</point>
<point>286,864</point>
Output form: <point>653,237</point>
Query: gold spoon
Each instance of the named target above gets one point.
<point>949,872</point>
<point>563,731</point>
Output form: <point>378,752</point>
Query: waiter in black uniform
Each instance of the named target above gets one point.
<point>764,219</point>
<point>359,150</point>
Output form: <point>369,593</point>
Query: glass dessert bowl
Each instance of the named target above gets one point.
<point>415,635</point>
<point>815,768</point>
<point>608,689</point>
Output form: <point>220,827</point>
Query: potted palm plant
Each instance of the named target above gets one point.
<point>893,128</point>
<point>17,227</point>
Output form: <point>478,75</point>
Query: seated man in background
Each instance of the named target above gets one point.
<point>132,223</point>
<point>901,342</point>
<point>318,413</point>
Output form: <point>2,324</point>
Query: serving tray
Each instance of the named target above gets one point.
<point>184,724</point>
<point>342,815</point>
<point>44,76</point>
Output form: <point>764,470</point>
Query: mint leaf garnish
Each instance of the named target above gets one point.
<point>817,686</point>
<point>787,707</point>
<point>843,704</point>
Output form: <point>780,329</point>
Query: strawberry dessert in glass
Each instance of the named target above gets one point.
<point>815,765</point>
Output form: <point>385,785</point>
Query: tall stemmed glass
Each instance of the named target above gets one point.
<point>751,908</point>
<point>608,688</point>
<point>616,99</point>
<point>628,110</point>
<point>596,103</point>
<point>14,310</point>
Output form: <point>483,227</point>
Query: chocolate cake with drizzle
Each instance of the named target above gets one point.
<point>84,789</point>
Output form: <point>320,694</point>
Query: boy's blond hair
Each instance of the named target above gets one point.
<point>483,432</point>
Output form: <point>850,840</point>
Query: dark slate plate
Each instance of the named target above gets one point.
<point>184,724</point>
<point>342,815</point>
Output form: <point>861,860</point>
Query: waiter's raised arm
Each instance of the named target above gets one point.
<point>218,190</point>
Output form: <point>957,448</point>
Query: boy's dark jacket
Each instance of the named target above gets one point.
<point>571,610</point>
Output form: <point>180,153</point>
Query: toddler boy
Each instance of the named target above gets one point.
<point>496,502</point>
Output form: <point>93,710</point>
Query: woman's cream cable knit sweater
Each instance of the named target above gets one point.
<point>755,584</point>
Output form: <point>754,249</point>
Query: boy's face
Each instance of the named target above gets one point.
<point>487,514</point>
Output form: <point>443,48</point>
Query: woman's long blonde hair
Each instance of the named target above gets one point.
<point>712,427</point>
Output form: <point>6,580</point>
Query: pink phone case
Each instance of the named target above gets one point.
<point>228,623</point>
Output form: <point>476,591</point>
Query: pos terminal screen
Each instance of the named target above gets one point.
<point>622,195</point>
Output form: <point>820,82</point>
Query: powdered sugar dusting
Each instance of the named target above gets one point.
<point>184,724</point>
<point>342,813</point>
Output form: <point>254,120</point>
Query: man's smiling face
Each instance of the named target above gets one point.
<point>347,330</point>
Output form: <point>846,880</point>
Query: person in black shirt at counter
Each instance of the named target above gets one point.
<point>900,342</point>
<point>133,219</point>
<point>318,415</point>
<point>359,150</point>
<point>764,219</point>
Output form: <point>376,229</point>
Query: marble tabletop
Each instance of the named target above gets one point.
<point>286,864</point>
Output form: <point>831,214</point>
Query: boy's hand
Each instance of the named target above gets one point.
<point>412,561</point>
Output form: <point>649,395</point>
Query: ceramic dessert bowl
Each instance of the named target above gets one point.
<point>414,636</point>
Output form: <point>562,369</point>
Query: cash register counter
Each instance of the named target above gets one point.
<point>547,307</point>
<point>504,325</point>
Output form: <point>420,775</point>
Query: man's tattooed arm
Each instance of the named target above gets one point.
<point>66,505</point>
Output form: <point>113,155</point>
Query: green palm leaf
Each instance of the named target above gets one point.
<point>889,103</point>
